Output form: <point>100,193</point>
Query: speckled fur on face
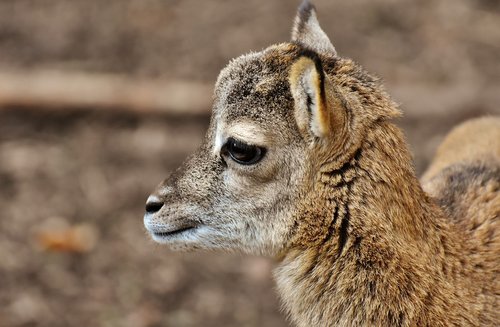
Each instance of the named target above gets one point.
<point>245,208</point>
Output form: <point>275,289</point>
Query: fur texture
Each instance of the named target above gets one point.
<point>335,198</point>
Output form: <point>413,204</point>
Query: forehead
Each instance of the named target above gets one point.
<point>254,88</point>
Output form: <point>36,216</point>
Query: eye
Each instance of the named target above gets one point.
<point>242,153</point>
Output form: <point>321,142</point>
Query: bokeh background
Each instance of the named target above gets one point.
<point>101,99</point>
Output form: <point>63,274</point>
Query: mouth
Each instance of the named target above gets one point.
<point>169,233</point>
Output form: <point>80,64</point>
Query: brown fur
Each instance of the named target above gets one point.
<point>335,198</point>
<point>404,262</point>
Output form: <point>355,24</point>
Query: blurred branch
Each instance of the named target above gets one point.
<point>54,89</point>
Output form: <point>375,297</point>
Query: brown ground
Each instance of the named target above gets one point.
<point>61,168</point>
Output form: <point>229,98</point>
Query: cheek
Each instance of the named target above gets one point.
<point>255,199</point>
<point>259,211</point>
<point>243,187</point>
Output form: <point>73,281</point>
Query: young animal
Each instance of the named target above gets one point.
<point>302,163</point>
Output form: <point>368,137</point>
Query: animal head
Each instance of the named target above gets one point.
<point>280,116</point>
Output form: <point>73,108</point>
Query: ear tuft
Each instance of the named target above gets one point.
<point>307,85</point>
<point>306,30</point>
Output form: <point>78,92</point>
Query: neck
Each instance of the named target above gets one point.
<point>382,253</point>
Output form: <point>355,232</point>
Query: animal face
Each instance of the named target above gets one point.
<point>237,191</point>
<point>278,116</point>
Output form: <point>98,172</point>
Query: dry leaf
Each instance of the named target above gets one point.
<point>79,238</point>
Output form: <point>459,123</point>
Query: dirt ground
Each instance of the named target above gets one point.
<point>94,168</point>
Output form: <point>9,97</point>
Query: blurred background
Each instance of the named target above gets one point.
<point>101,99</point>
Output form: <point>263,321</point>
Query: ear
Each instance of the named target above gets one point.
<point>306,31</point>
<point>307,85</point>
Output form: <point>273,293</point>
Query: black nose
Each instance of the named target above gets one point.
<point>153,205</point>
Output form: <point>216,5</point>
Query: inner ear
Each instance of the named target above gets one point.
<point>307,84</point>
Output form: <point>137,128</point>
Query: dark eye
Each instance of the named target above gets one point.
<point>242,153</point>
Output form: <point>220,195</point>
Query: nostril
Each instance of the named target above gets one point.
<point>153,204</point>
